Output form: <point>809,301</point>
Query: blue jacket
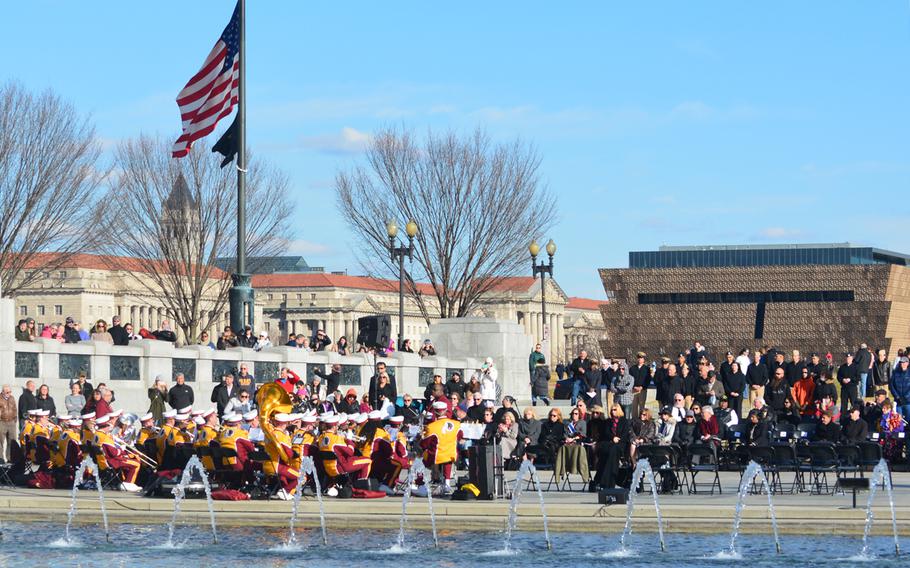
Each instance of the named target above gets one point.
<point>900,386</point>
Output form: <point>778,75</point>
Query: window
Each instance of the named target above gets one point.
<point>61,274</point>
<point>58,310</point>
<point>269,296</point>
<point>299,296</point>
<point>312,296</point>
<point>47,275</point>
<point>267,326</point>
<point>40,310</point>
<point>23,310</point>
<point>284,297</point>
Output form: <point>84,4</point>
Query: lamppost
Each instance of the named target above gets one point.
<point>543,269</point>
<point>398,253</point>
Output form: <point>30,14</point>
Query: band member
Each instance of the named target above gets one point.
<point>112,456</point>
<point>235,439</point>
<point>41,436</point>
<point>440,444</point>
<point>88,429</point>
<point>148,430</point>
<point>389,455</point>
<point>251,425</point>
<point>369,432</point>
<point>304,438</point>
<point>27,434</point>
<point>337,454</point>
<point>170,423</point>
<point>206,433</point>
<point>279,448</point>
<point>67,451</point>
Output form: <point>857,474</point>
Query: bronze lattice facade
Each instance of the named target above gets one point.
<point>815,307</point>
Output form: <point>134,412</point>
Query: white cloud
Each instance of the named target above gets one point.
<point>348,141</point>
<point>303,247</point>
<point>780,233</point>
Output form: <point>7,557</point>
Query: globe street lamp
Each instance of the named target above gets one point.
<point>543,269</point>
<point>398,253</point>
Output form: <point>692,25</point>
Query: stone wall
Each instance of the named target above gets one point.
<point>131,370</point>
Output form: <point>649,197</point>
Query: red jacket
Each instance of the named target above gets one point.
<point>289,384</point>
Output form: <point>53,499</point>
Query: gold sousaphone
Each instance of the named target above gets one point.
<point>272,399</point>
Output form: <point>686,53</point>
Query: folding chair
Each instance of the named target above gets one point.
<point>785,460</point>
<point>822,461</point>
<point>703,458</point>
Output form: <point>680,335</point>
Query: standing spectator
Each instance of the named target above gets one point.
<point>245,380</point>
<point>70,333</point>
<point>793,370</point>
<point>75,400</point>
<point>332,379</point>
<point>103,403</point>
<point>129,332</point>
<point>803,392</point>
<point>560,371</point>
<point>670,386</point>
<point>757,378</point>
<point>246,337</point>
<point>848,377</point>
<point>263,342</point>
<point>204,340</point>
<point>406,346</point>
<point>863,362</point>
<point>165,333</point>
<point>302,342</point>
<point>22,331</point>
<point>290,382</point>
<point>118,333</point>
<point>9,430</point>
<point>83,334</point>
<point>224,392</point>
<point>341,346</point>
<point>642,375</point>
<point>227,340</point>
<point>157,398</point>
<point>734,387</point>
<point>744,361</point>
<point>100,333</point>
<point>900,387</point>
<point>292,340</point>
<point>27,401</point>
<point>455,385</point>
<point>181,394</point>
<point>488,376</point>
<point>816,366</point>
<point>710,390</point>
<point>881,370</point>
<point>578,368</point>
<point>320,341</point>
<point>85,387</point>
<point>427,350</point>
<point>623,388</point>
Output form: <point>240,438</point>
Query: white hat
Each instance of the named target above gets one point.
<point>362,418</point>
<point>232,418</point>
<point>439,405</point>
<point>181,417</point>
<point>185,410</point>
<point>43,413</point>
<point>197,413</point>
<point>396,419</point>
<point>342,418</point>
<point>73,422</point>
<point>62,416</point>
<point>207,413</point>
<point>199,420</point>
<point>89,416</point>
<point>103,420</point>
<point>282,417</point>
<point>250,415</point>
<point>309,419</point>
<point>34,412</point>
<point>116,413</point>
<point>375,415</point>
<point>146,416</point>
<point>170,414</point>
<point>329,419</point>
<point>296,416</point>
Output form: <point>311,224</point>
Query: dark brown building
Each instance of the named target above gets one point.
<point>821,298</point>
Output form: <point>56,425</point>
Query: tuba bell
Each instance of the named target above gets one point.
<point>272,399</point>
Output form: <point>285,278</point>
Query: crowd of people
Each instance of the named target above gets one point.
<point>742,400</point>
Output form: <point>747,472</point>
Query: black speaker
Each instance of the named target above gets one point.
<point>480,470</point>
<point>374,331</point>
<point>618,496</point>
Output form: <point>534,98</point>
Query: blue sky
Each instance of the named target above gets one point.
<point>658,122</point>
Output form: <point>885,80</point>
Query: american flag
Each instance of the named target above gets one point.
<point>212,92</point>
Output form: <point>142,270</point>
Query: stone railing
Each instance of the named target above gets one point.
<point>131,370</point>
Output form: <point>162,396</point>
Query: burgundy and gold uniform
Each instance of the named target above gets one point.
<point>204,436</point>
<point>389,457</point>
<point>440,444</point>
<point>338,457</point>
<point>113,457</point>
<point>281,453</point>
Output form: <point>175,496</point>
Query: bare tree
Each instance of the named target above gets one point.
<point>178,216</point>
<point>48,184</point>
<point>477,204</point>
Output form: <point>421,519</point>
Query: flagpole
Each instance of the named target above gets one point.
<point>241,293</point>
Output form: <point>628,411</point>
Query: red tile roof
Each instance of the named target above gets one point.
<point>584,303</point>
<point>322,280</point>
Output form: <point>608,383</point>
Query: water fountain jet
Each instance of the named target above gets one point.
<point>77,481</point>
<point>307,466</point>
<point>526,468</point>
<point>417,468</point>
<point>642,469</point>
<point>180,492</point>
<point>753,470</point>
<point>881,475</point>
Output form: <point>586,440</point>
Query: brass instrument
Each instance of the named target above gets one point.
<point>272,399</point>
<point>140,455</point>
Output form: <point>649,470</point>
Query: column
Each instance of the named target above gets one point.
<point>532,321</point>
<point>332,331</point>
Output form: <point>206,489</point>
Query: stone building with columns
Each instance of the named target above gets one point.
<point>90,288</point>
